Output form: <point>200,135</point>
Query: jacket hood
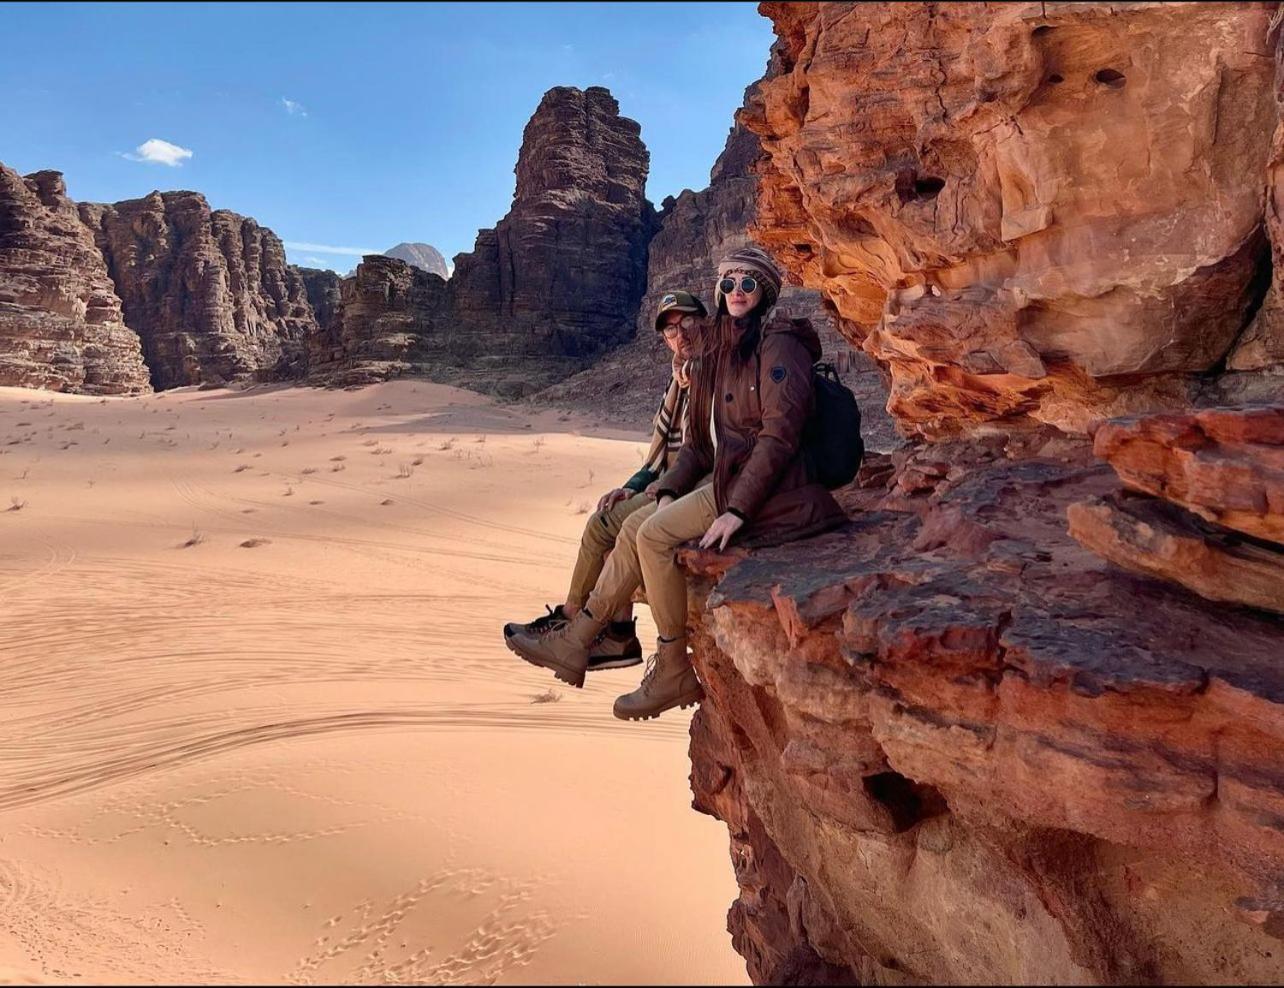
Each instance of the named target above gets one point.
<point>800,328</point>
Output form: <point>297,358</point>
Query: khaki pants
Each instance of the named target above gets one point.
<point>599,539</point>
<point>644,555</point>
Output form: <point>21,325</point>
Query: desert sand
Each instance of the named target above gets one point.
<point>260,724</point>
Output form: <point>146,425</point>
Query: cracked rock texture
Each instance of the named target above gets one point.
<point>208,291</point>
<point>1028,212</point>
<point>61,325</point>
<point>1022,719</point>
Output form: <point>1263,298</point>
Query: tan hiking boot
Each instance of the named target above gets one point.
<point>670,682</point>
<point>564,651</point>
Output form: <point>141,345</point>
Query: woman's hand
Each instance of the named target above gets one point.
<point>611,498</point>
<point>652,489</point>
<point>720,532</point>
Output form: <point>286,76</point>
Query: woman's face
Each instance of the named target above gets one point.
<point>739,302</point>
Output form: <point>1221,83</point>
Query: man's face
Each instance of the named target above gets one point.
<point>740,302</point>
<point>676,333</point>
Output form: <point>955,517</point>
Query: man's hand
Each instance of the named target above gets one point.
<point>663,499</point>
<point>611,498</point>
<point>652,489</point>
<point>720,532</point>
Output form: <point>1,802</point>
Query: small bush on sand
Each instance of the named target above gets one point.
<point>548,696</point>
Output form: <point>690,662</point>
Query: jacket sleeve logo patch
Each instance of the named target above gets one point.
<point>778,373</point>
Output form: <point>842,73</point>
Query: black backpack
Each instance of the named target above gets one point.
<point>831,439</point>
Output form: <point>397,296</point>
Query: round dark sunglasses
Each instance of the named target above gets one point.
<point>747,285</point>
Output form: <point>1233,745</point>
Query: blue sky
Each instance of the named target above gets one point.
<point>356,125</point>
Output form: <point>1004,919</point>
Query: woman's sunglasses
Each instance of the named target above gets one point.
<point>747,285</point>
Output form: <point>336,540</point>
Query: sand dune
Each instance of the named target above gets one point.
<point>260,724</point>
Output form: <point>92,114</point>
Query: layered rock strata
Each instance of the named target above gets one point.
<point>1208,507</point>
<point>1027,212</point>
<point>208,291</point>
<point>61,325</point>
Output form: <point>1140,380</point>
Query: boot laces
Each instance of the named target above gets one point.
<point>652,663</point>
<point>548,622</point>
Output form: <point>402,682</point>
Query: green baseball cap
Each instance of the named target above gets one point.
<point>677,302</point>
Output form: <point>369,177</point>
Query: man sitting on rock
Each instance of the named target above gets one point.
<point>618,645</point>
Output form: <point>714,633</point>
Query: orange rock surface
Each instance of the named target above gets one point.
<point>1026,211</point>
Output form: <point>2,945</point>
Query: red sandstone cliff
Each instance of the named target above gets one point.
<point>61,325</point>
<point>1022,720</point>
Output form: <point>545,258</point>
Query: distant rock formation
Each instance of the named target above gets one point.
<point>554,284</point>
<point>425,257</point>
<point>61,325</point>
<point>560,277</point>
<point>322,287</point>
<point>387,321</point>
<point>208,291</point>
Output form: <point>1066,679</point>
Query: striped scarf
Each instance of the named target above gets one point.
<point>670,423</point>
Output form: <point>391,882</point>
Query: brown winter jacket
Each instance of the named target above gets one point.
<point>760,405</point>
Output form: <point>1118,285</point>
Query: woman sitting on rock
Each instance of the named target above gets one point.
<point>751,395</point>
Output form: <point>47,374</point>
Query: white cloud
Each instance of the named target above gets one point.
<point>326,249</point>
<point>292,108</point>
<point>158,152</point>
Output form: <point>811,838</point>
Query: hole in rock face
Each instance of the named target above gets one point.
<point>1110,77</point>
<point>910,186</point>
<point>1041,29</point>
<point>803,248</point>
<point>928,187</point>
<point>909,802</point>
<point>1056,78</point>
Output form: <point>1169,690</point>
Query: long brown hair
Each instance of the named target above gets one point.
<point>723,338</point>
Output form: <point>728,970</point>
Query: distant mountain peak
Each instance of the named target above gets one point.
<point>426,257</point>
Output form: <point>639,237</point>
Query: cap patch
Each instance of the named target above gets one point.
<point>668,300</point>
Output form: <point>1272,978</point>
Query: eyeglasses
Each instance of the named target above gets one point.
<point>748,285</point>
<point>683,325</point>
